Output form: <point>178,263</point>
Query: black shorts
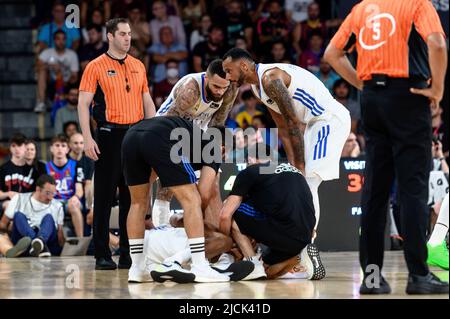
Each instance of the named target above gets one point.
<point>282,241</point>
<point>143,151</point>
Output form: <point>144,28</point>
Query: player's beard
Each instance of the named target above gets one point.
<point>241,79</point>
<point>210,96</point>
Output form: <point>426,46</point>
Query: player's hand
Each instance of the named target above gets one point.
<point>91,149</point>
<point>434,94</point>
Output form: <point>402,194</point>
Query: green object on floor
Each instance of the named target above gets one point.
<point>438,255</point>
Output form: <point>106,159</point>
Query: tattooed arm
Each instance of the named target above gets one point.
<point>274,83</point>
<point>221,115</point>
<point>186,96</point>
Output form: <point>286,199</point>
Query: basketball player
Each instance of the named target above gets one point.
<point>167,249</point>
<point>205,98</point>
<point>259,207</point>
<point>147,151</point>
<point>296,98</point>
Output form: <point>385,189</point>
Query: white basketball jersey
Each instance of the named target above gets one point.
<point>311,98</point>
<point>202,111</point>
<point>163,242</point>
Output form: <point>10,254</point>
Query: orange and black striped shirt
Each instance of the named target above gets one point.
<point>118,86</point>
<point>390,37</point>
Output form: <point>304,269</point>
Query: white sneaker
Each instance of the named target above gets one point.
<point>40,107</point>
<point>204,273</point>
<point>310,261</point>
<point>171,271</point>
<point>258,272</point>
<point>224,261</point>
<point>137,274</point>
<point>237,270</point>
<point>37,246</point>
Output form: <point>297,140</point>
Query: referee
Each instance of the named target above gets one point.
<point>400,46</point>
<point>116,85</point>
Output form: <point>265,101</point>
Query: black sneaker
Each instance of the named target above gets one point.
<point>310,259</point>
<point>237,270</point>
<point>382,289</point>
<point>19,248</point>
<point>429,284</point>
<point>37,245</point>
<point>105,264</point>
<point>124,262</point>
<point>45,252</point>
<point>171,271</point>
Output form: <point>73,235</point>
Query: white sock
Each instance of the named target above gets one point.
<point>160,212</point>
<point>314,183</point>
<point>197,246</point>
<point>137,252</point>
<point>441,228</point>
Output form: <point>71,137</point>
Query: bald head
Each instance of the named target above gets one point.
<point>76,143</point>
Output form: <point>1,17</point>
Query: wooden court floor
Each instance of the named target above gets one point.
<point>74,277</point>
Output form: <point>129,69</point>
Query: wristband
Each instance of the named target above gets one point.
<point>441,159</point>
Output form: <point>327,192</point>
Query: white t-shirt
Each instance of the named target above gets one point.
<point>68,61</point>
<point>35,210</point>
<point>299,9</point>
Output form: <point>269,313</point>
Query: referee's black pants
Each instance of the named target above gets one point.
<point>397,126</point>
<point>109,176</point>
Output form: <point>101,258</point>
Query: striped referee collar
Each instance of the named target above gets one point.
<point>119,60</point>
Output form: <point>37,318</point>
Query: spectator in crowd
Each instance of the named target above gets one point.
<point>297,10</point>
<point>161,19</point>
<point>304,30</point>
<point>237,153</point>
<point>260,121</point>
<point>341,90</point>
<point>69,111</point>
<point>438,125</point>
<point>140,29</point>
<point>96,19</point>
<point>274,27</point>
<point>69,181</point>
<point>207,51</point>
<point>38,216</point>
<point>95,47</point>
<point>119,8</point>
<point>76,145</point>
<point>55,65</point>
<point>326,74</point>
<point>190,12</point>
<point>94,9</point>
<point>245,117</point>
<point>31,158</point>
<point>167,49</point>
<point>310,58</point>
<point>237,23</point>
<point>351,147</point>
<point>162,89</point>
<point>241,43</point>
<point>439,162</point>
<point>278,53</point>
<point>70,128</point>
<point>15,175</point>
<point>46,38</point>
<point>200,34</point>
<point>9,250</point>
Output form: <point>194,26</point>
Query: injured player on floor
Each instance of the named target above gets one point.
<point>168,256</point>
